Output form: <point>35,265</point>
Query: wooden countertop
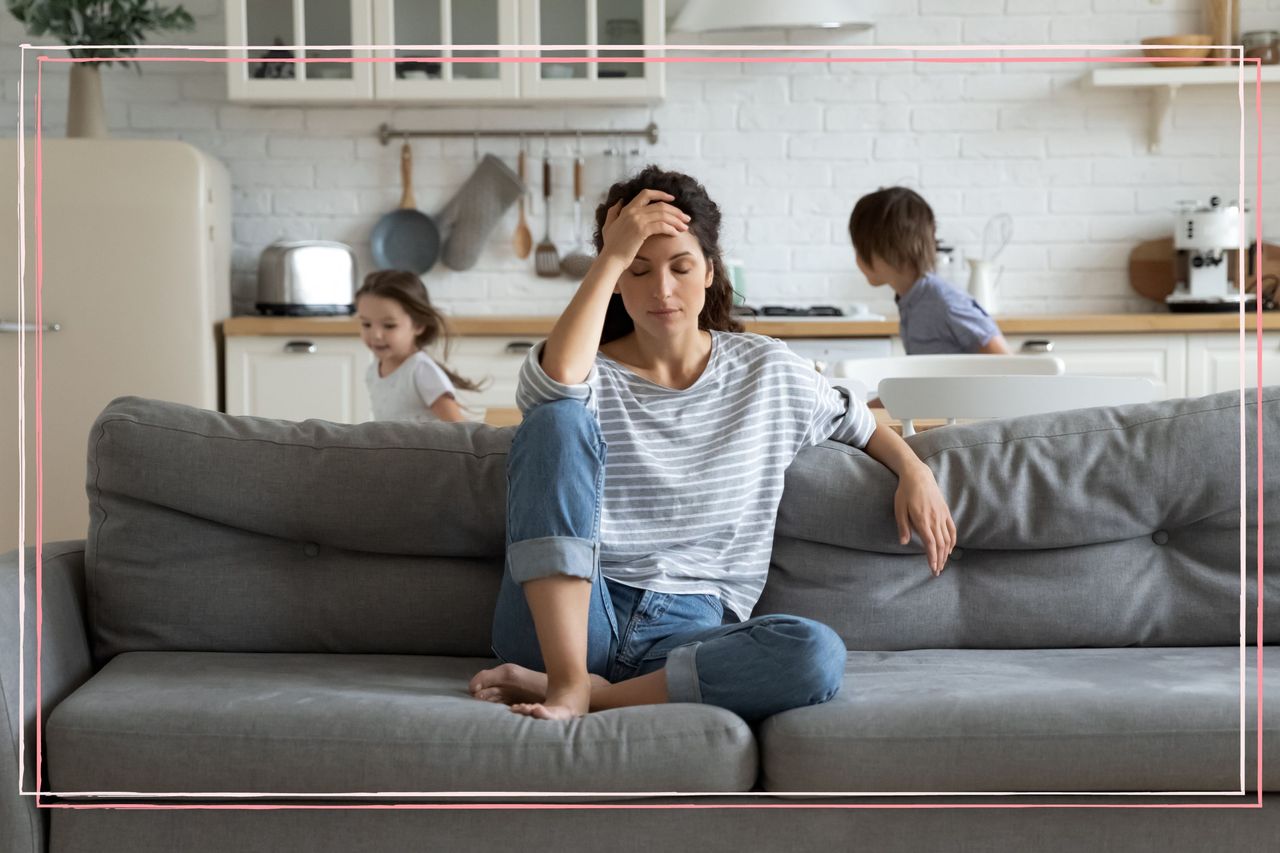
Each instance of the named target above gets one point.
<point>1039,324</point>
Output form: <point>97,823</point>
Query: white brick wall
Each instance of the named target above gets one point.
<point>785,149</point>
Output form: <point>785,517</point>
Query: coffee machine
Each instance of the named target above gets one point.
<point>1202,237</point>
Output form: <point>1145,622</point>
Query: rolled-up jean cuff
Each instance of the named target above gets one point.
<point>531,559</point>
<point>682,675</point>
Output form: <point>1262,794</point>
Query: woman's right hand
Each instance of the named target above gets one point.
<point>649,213</point>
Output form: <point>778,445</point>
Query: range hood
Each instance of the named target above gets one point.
<point>715,16</point>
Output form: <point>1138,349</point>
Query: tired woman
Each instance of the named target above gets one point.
<point>644,482</point>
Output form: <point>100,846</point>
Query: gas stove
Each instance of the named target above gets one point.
<point>855,311</point>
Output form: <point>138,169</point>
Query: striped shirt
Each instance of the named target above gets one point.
<point>693,477</point>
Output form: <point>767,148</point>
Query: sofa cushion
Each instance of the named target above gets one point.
<point>1034,720</point>
<point>210,532</point>
<point>1099,527</point>
<point>320,724</point>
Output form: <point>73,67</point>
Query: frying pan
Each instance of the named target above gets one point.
<point>406,239</point>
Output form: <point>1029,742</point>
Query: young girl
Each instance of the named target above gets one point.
<point>644,485</point>
<point>396,322</point>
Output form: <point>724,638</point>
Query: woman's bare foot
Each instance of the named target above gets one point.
<point>562,703</point>
<point>512,684</point>
<point>509,684</point>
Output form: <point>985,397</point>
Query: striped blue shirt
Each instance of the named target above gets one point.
<point>693,477</point>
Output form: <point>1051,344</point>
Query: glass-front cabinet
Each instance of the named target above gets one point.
<point>598,71</point>
<point>269,71</point>
<point>433,63</point>
<point>444,50</point>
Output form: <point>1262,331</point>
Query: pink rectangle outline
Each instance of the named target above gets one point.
<point>560,60</point>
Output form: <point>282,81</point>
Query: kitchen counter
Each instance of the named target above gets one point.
<point>535,326</point>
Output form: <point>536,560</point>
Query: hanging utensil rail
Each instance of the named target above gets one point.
<point>386,133</point>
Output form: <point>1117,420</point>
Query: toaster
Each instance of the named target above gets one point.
<point>306,278</point>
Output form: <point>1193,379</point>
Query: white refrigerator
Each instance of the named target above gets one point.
<point>136,276</point>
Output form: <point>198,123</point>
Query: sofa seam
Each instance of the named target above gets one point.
<point>1107,429</point>
<point>302,445</point>
<point>847,449</point>
<point>469,742</point>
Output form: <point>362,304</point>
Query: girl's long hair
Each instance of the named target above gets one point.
<point>408,290</point>
<point>692,198</point>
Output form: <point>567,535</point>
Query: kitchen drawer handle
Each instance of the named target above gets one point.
<point>7,327</point>
<point>300,346</point>
<point>1039,346</point>
<point>518,347</point>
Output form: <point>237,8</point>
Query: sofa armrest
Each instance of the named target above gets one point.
<point>65,664</point>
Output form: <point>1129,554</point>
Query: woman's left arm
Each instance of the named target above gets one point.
<point>918,503</point>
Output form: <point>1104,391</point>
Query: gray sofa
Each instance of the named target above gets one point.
<point>293,610</point>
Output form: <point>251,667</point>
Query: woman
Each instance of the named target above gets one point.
<point>643,485</point>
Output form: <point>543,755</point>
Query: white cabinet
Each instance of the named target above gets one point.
<point>413,76</point>
<point>261,77</point>
<point>1160,358</point>
<point>298,378</point>
<point>447,53</point>
<point>494,359</point>
<point>324,377</point>
<point>594,24</point>
<point>1213,361</point>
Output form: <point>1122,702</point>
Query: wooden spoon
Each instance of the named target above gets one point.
<point>523,240</point>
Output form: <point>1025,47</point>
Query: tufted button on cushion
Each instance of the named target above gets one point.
<point>1160,537</point>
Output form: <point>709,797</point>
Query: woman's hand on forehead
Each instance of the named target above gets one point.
<point>647,215</point>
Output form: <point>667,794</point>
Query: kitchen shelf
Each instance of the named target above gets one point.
<point>1165,83</point>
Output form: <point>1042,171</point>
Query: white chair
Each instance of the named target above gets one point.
<point>977,397</point>
<point>863,375</point>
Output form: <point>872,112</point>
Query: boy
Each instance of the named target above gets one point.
<point>892,232</point>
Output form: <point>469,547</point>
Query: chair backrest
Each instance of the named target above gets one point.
<point>975,397</point>
<point>867,373</point>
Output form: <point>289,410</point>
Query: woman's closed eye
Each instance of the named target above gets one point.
<point>676,270</point>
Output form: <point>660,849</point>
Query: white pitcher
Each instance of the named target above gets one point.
<point>983,278</point>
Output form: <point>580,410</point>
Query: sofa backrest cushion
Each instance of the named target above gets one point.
<point>213,532</point>
<point>1096,527</point>
<point>1099,527</point>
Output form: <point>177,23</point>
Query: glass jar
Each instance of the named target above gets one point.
<point>1263,45</point>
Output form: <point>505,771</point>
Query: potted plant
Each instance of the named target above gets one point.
<point>96,22</point>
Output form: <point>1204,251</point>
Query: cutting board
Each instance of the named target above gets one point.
<point>1151,272</point>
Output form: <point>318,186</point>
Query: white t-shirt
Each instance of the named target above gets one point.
<point>407,394</point>
<point>693,477</point>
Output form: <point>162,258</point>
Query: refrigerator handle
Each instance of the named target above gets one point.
<point>13,328</point>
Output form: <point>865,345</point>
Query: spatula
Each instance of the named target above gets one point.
<point>577,263</point>
<point>523,240</point>
<point>546,260</point>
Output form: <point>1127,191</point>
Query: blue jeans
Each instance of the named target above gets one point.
<point>555,479</point>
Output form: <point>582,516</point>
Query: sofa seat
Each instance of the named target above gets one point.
<point>196,722</point>
<point>1031,720</point>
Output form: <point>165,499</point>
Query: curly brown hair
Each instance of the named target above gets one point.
<point>897,225</point>
<point>407,289</point>
<point>692,198</point>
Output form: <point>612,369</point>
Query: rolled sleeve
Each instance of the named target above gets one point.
<point>838,416</point>
<point>535,387</point>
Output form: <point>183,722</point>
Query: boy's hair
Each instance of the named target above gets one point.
<point>896,225</point>
<point>407,289</point>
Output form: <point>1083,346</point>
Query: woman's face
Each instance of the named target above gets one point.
<point>665,287</point>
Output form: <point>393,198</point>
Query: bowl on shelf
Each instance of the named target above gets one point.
<point>1179,51</point>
